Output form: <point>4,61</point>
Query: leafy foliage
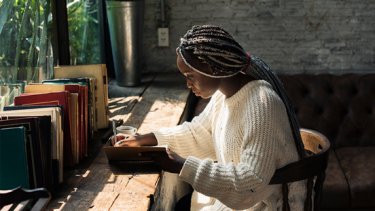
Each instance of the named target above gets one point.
<point>25,47</point>
<point>84,32</point>
<point>25,52</point>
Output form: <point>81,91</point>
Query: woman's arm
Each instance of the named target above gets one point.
<point>148,139</point>
<point>187,137</point>
<point>192,138</point>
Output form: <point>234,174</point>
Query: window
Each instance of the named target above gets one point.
<point>26,37</point>
<point>84,24</point>
<point>25,47</point>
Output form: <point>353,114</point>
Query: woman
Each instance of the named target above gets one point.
<point>229,152</point>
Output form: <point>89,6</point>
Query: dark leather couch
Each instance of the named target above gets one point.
<point>342,107</point>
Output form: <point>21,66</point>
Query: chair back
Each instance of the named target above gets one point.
<point>311,168</point>
<point>314,141</point>
<point>24,199</point>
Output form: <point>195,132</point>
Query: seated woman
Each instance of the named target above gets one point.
<point>229,152</point>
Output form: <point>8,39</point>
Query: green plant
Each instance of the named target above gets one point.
<point>25,52</point>
<point>83,27</point>
<point>25,48</point>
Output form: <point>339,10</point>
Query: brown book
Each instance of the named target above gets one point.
<point>132,154</point>
<point>54,98</point>
<point>77,103</point>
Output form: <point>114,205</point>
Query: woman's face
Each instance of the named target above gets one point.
<point>200,85</point>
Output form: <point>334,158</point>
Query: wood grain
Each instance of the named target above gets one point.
<point>104,186</point>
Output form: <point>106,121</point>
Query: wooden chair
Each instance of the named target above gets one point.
<point>312,168</point>
<point>24,199</point>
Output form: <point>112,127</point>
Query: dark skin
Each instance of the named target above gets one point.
<point>200,85</point>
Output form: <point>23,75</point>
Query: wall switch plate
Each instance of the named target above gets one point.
<point>163,37</point>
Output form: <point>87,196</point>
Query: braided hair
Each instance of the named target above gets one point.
<point>217,48</point>
<point>214,46</point>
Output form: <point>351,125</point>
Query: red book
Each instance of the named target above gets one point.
<point>80,86</point>
<point>78,126</point>
<point>53,98</point>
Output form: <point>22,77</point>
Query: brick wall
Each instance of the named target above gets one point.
<point>292,36</point>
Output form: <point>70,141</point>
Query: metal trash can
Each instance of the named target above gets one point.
<point>125,21</point>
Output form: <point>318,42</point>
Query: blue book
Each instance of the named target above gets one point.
<point>13,158</point>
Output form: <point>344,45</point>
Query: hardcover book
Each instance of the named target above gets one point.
<point>99,72</point>
<point>76,108</point>
<point>84,106</point>
<point>89,84</point>
<point>38,145</point>
<point>14,170</point>
<point>54,98</point>
<point>132,154</point>
<point>56,132</point>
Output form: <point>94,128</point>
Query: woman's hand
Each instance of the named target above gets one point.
<point>122,140</point>
<point>169,161</point>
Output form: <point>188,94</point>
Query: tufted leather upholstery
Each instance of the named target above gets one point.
<point>342,107</point>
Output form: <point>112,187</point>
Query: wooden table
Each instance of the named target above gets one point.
<point>159,102</point>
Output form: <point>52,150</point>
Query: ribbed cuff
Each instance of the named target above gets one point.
<point>189,169</point>
<point>162,137</point>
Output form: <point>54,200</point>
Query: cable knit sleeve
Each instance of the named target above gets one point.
<point>191,138</point>
<point>241,185</point>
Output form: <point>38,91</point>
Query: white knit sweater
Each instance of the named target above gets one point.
<point>233,149</point>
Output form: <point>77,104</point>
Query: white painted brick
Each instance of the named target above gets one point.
<point>292,35</point>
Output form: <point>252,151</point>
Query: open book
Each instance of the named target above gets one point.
<point>131,153</point>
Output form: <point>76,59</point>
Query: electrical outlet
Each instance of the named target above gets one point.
<point>163,37</point>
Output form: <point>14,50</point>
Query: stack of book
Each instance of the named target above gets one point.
<point>50,126</point>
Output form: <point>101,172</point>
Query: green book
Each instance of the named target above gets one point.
<point>13,158</point>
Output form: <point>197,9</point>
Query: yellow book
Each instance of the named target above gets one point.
<point>44,88</point>
<point>99,72</point>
